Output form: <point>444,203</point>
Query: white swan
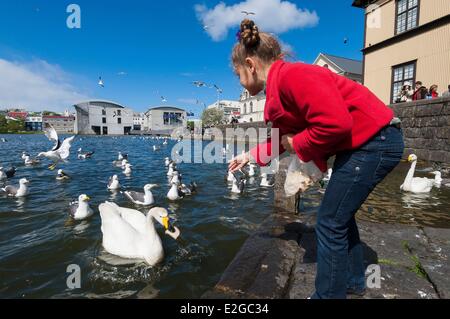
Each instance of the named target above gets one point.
<point>130,234</point>
<point>416,184</point>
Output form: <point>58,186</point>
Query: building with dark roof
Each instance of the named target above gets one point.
<point>350,68</point>
<point>163,120</point>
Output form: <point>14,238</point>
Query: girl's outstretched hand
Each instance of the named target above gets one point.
<point>239,162</point>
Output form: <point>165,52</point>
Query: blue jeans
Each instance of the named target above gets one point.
<point>340,262</point>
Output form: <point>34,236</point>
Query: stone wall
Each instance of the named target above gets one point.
<point>426,127</point>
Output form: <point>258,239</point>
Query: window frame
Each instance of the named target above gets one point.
<point>413,80</point>
<point>406,12</point>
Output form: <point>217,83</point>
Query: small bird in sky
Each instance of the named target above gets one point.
<point>248,13</point>
<point>199,84</point>
<point>219,90</point>
<point>345,40</point>
<point>163,99</point>
<point>100,82</point>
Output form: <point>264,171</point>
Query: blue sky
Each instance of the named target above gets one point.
<point>160,45</point>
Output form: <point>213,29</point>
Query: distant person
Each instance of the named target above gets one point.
<point>420,92</point>
<point>405,94</point>
<point>446,93</point>
<point>433,93</point>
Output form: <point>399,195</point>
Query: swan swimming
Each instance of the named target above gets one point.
<point>130,234</point>
<point>416,184</point>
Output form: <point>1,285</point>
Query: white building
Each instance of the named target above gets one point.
<point>163,120</point>
<point>138,121</point>
<point>229,108</point>
<point>252,107</point>
<point>352,69</point>
<point>33,122</point>
<point>103,118</point>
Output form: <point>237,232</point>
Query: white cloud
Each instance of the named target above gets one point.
<point>36,86</point>
<point>271,15</point>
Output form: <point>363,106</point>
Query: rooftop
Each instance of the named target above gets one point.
<point>345,64</point>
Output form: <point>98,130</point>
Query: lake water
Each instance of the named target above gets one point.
<point>38,240</point>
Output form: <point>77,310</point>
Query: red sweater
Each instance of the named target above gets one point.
<point>326,112</point>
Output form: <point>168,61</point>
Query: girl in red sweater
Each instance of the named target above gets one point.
<point>320,114</point>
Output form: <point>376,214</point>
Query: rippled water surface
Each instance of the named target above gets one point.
<point>38,240</point>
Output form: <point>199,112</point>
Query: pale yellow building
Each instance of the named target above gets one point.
<point>405,41</point>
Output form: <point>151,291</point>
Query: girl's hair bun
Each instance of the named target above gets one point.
<point>250,37</point>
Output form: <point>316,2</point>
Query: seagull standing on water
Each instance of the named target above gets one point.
<point>127,170</point>
<point>30,162</point>
<point>61,151</point>
<point>22,191</point>
<point>121,156</point>
<point>24,155</point>
<point>80,209</point>
<point>265,182</point>
<point>62,176</point>
<point>114,184</point>
<point>238,187</point>
<point>143,199</point>
<point>84,156</point>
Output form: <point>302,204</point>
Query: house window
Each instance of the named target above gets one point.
<point>119,120</point>
<point>104,112</point>
<point>119,113</point>
<point>402,74</point>
<point>407,15</point>
<point>251,107</point>
<point>104,120</point>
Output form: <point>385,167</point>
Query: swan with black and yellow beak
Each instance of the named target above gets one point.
<point>129,234</point>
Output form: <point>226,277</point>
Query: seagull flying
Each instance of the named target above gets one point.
<point>100,82</point>
<point>248,13</point>
<point>60,151</point>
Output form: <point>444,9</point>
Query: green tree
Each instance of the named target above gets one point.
<point>213,117</point>
<point>3,124</point>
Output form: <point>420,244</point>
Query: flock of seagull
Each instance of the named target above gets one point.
<point>127,233</point>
